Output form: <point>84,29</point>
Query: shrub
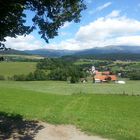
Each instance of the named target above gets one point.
<point>134,76</point>
<point>58,74</point>
<point>40,75</point>
<point>2,77</point>
<point>30,77</point>
<point>74,79</point>
<point>21,77</point>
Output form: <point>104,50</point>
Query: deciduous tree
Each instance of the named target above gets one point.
<point>49,16</point>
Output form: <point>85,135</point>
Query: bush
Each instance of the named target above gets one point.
<point>2,77</point>
<point>30,77</point>
<point>40,75</point>
<point>74,79</point>
<point>58,74</point>
<point>21,77</point>
<point>134,76</point>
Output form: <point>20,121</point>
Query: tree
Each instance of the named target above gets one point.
<point>49,16</point>
<point>134,75</point>
<point>74,79</point>
<point>40,75</point>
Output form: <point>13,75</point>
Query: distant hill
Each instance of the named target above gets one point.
<point>50,52</point>
<point>110,49</point>
<point>12,51</point>
<point>109,56</point>
<point>93,51</point>
<point>97,50</point>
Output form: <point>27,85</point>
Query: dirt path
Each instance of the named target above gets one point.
<point>62,132</point>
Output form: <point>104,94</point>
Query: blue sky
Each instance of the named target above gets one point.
<point>103,23</point>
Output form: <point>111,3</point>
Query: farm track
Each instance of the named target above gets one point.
<point>63,132</point>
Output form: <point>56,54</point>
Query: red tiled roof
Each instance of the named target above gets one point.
<point>105,77</point>
<point>100,77</point>
<point>103,73</point>
<point>113,77</point>
<point>106,72</point>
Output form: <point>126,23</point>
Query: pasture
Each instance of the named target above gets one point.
<point>107,109</point>
<point>111,116</point>
<point>21,57</point>
<point>11,68</point>
<point>64,88</point>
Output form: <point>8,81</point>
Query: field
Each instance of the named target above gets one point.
<point>11,68</point>
<point>111,116</point>
<point>21,57</point>
<point>64,88</point>
<point>109,110</point>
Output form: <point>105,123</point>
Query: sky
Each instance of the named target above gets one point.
<point>103,23</point>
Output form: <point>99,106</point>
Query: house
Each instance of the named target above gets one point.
<point>104,77</point>
<point>106,72</point>
<point>100,77</point>
<point>102,73</point>
<point>113,77</point>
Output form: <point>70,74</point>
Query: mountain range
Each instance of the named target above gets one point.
<point>92,51</point>
<point>97,50</point>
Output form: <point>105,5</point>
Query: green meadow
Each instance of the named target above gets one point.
<point>65,88</point>
<point>108,115</point>
<point>109,110</point>
<point>11,68</point>
<point>111,116</point>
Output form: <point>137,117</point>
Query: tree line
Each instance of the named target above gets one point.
<point>53,69</point>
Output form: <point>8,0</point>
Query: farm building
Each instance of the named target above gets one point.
<point>102,73</point>
<point>104,77</point>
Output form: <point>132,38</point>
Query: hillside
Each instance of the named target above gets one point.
<point>107,52</point>
<point>110,56</point>
<point>97,50</point>
<point>110,49</point>
<point>50,52</point>
<point>13,51</point>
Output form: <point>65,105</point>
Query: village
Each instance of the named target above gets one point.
<point>103,77</point>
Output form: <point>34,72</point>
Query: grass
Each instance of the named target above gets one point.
<point>111,116</point>
<point>16,56</point>
<point>57,87</point>
<point>94,108</point>
<point>11,68</point>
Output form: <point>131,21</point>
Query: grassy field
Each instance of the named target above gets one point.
<point>94,108</point>
<point>11,68</point>
<point>111,116</point>
<point>16,56</point>
<point>64,88</point>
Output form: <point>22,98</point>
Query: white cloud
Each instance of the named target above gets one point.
<point>128,40</point>
<point>114,13</point>
<point>104,28</point>
<point>102,7</point>
<point>112,29</point>
<point>28,42</point>
<point>69,44</point>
